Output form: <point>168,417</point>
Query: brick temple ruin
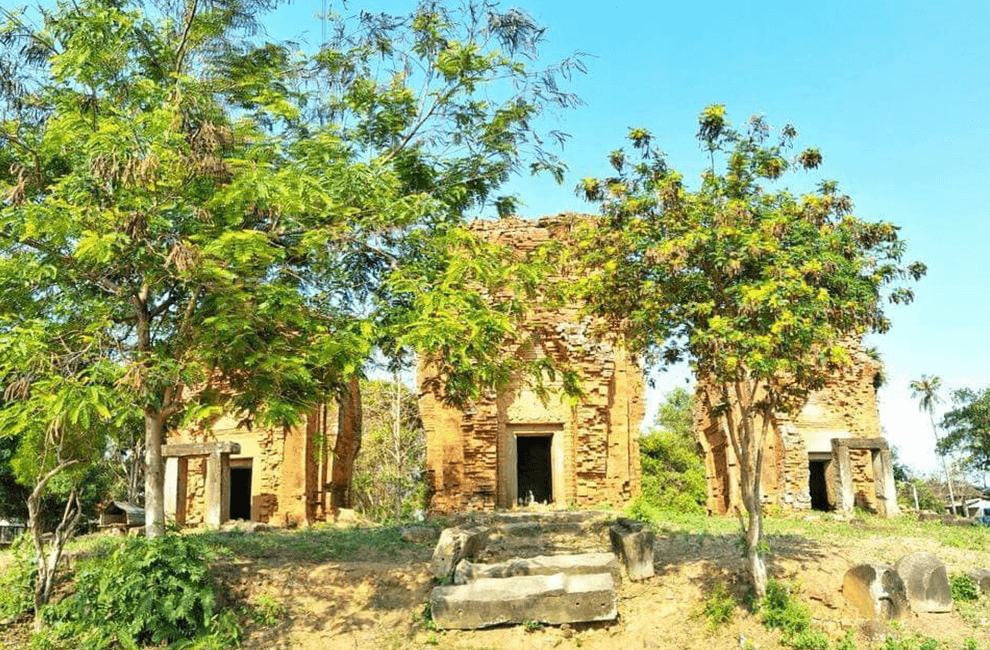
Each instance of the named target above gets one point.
<point>513,447</point>
<point>281,475</point>
<point>830,456</point>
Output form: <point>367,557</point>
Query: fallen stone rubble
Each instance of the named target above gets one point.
<point>550,589</point>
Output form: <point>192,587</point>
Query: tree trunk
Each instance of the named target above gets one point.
<point>754,558</point>
<point>396,445</point>
<point>154,474</point>
<point>47,563</point>
<point>945,467</point>
<point>347,446</point>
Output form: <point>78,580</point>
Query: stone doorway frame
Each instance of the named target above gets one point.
<point>883,474</point>
<point>510,461</point>
<point>829,476</point>
<point>217,455</point>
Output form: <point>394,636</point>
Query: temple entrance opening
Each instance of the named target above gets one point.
<point>535,470</point>
<point>240,489</point>
<point>817,486</point>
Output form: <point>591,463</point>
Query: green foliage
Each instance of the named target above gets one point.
<point>808,640</point>
<point>719,606</point>
<point>968,428</point>
<point>426,618</point>
<point>847,642</point>
<point>146,592</point>
<point>963,587</point>
<point>911,642</point>
<point>756,287</point>
<point>17,581</point>
<point>188,206</point>
<point>266,611</point>
<point>673,469</point>
<point>388,473</point>
<point>532,626</point>
<point>780,609</point>
<point>927,498</point>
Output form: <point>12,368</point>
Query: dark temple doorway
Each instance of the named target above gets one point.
<point>816,485</point>
<point>240,493</point>
<point>534,471</point>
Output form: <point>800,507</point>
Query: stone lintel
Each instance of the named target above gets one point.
<point>183,449</point>
<point>877,444</point>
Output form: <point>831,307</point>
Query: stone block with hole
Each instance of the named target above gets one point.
<point>877,591</point>
<point>633,544</point>
<point>455,545</point>
<point>981,578</point>
<point>554,600</point>
<point>926,582</point>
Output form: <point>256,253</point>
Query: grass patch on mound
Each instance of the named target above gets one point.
<point>822,527</point>
<point>321,543</point>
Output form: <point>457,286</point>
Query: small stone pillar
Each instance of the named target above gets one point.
<point>176,476</point>
<point>217,488</point>
<point>217,478</point>
<point>883,478</point>
<point>844,498</point>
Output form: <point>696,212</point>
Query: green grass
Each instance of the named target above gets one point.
<point>316,544</point>
<point>822,529</point>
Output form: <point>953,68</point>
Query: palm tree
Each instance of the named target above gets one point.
<point>926,390</point>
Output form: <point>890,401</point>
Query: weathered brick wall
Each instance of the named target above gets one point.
<point>287,464</point>
<point>861,464</point>
<point>470,451</point>
<point>845,408</point>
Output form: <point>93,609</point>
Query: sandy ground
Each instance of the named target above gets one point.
<point>377,605</point>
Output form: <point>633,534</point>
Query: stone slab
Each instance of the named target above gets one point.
<point>571,565</point>
<point>553,600</point>
<point>981,578</point>
<point>455,544</point>
<point>926,582</point>
<point>877,591</point>
<point>633,544</point>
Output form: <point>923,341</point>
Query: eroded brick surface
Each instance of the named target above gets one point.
<point>471,453</point>
<point>845,408</point>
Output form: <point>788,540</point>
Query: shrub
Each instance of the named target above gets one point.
<point>808,640</point>
<point>783,612</point>
<point>146,592</point>
<point>719,606</point>
<point>265,611</point>
<point>673,470</point>
<point>17,581</point>
<point>963,588</point>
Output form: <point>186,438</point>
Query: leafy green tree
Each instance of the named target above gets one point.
<point>224,224</point>
<point>59,422</point>
<point>676,414</point>
<point>967,427</point>
<point>672,467</point>
<point>755,286</point>
<point>388,482</point>
<point>926,390</point>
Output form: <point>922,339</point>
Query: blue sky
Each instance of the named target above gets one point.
<point>895,94</point>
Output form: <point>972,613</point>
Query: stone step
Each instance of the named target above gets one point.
<point>557,516</point>
<point>553,599</point>
<point>544,565</point>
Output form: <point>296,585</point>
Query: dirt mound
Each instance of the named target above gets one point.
<point>380,604</point>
